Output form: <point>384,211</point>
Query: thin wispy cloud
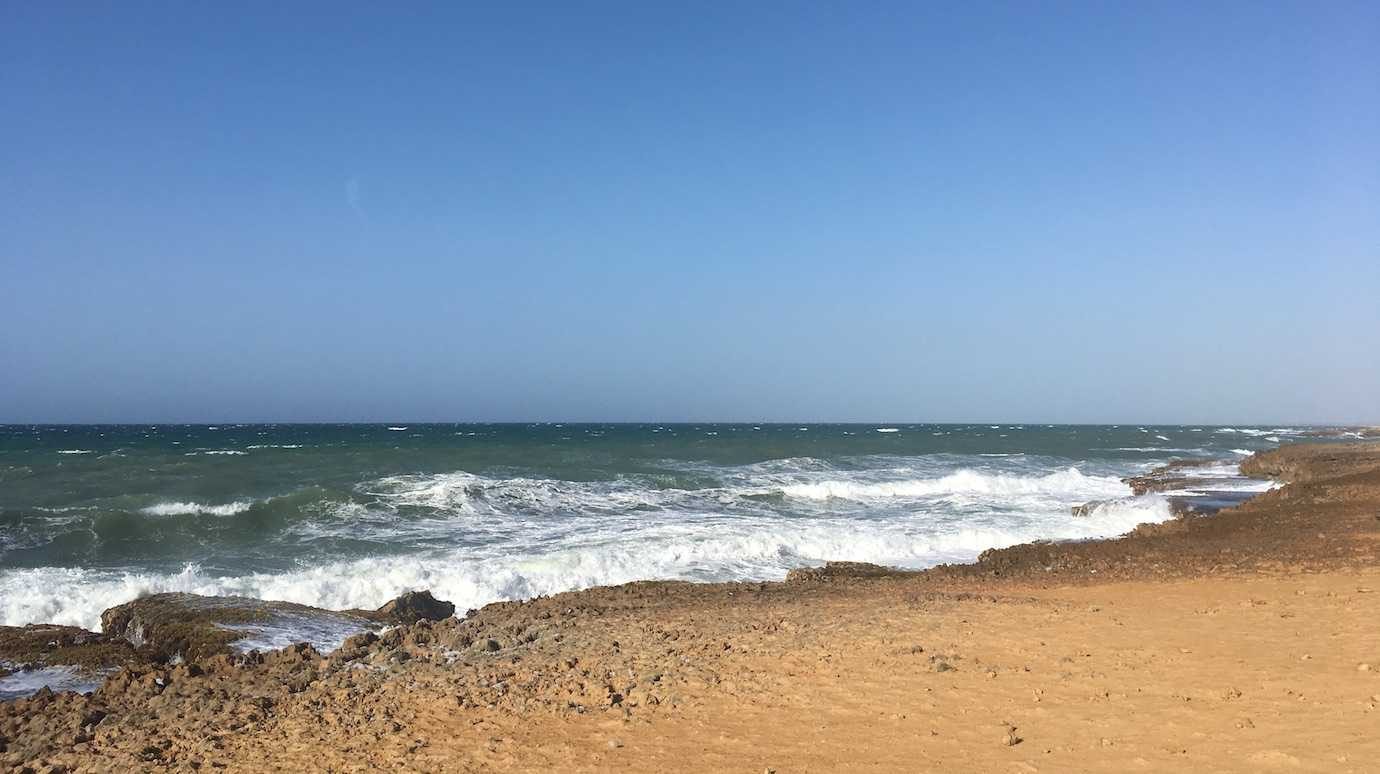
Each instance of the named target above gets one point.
<point>354,197</point>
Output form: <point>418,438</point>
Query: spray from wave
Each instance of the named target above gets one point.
<point>196,509</point>
<point>758,549</point>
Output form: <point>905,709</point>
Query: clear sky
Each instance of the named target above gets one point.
<point>1120,212</point>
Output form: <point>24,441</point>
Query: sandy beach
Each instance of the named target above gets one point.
<point>665,387</point>
<point>1245,640</point>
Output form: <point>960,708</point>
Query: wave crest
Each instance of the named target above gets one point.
<point>196,509</point>
<point>1071,483</point>
<point>748,550</point>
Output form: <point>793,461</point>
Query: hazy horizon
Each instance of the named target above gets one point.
<point>1080,213</point>
<point>688,422</point>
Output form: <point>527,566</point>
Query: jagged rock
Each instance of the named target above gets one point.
<point>1087,509</point>
<point>39,645</point>
<point>836,570</point>
<point>415,606</point>
<point>164,627</point>
<point>1166,477</point>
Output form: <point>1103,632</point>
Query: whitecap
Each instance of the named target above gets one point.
<point>748,549</point>
<point>1069,482</point>
<point>181,508</point>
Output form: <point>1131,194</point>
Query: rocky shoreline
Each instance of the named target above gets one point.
<point>171,628</point>
<point>186,698</point>
<point>175,628</point>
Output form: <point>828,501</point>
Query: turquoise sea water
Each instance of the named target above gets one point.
<point>351,515</point>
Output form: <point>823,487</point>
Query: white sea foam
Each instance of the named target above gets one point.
<point>75,451</point>
<point>1071,483</point>
<point>1215,470</point>
<point>800,479</point>
<point>397,429</point>
<point>325,633</point>
<point>607,553</point>
<point>214,452</point>
<point>1154,449</point>
<point>1226,485</point>
<point>888,430</point>
<point>194,509</point>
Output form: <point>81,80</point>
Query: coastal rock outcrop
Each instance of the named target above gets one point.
<point>1165,478</point>
<point>62,657</point>
<point>1087,509</point>
<point>842,570</point>
<point>164,627</point>
<point>412,607</point>
<point>191,626</point>
<point>1307,462</point>
<point>38,645</point>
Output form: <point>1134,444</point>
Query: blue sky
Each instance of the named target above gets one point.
<point>1148,212</point>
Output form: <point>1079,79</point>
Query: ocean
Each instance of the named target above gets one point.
<point>351,515</point>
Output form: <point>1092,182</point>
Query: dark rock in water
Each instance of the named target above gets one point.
<point>165,626</point>
<point>1167,477</point>
<point>1086,509</point>
<point>42,656</point>
<point>52,645</point>
<point>414,606</point>
<point>840,570</point>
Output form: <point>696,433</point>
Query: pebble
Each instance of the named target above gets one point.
<point>1363,667</point>
<point>615,743</point>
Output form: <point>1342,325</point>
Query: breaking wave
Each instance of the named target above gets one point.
<point>195,509</point>
<point>1069,482</point>
<point>759,549</point>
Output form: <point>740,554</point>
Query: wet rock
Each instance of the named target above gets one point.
<point>1166,477</point>
<point>414,606</point>
<point>40,645</point>
<point>1086,509</point>
<point>840,570</point>
<point>164,627</point>
<point>44,656</point>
